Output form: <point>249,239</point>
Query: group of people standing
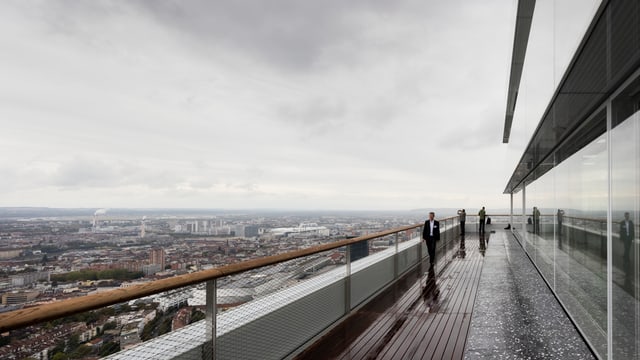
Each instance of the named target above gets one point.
<point>431,229</point>
<point>482,218</point>
<point>626,232</point>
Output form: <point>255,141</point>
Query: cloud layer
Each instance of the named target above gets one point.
<point>279,104</point>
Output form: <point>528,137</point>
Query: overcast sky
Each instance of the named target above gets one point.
<point>254,104</point>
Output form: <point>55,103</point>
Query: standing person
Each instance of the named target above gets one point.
<point>536,220</point>
<point>560,217</point>
<point>431,234</point>
<point>482,215</point>
<point>462,215</point>
<point>627,234</point>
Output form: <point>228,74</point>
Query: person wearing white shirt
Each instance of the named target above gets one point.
<point>431,234</point>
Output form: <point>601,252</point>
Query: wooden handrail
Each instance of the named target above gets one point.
<point>41,313</point>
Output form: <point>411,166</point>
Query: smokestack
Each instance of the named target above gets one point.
<point>142,226</point>
<point>95,217</point>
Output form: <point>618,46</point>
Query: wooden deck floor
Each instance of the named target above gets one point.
<point>421,317</point>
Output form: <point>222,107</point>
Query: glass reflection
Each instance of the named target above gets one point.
<point>565,234</point>
<point>462,252</point>
<point>559,227</point>
<point>431,288</point>
<point>581,255</point>
<point>625,193</point>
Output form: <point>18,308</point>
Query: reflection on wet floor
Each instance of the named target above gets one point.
<point>430,288</point>
<point>516,315</point>
<point>432,316</point>
<point>461,309</point>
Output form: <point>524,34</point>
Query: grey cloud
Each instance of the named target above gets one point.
<point>324,116</point>
<point>309,100</point>
<point>84,172</point>
<point>478,132</point>
<point>287,34</point>
<point>81,172</point>
<point>249,187</point>
<point>317,116</point>
<point>382,112</point>
<point>67,17</point>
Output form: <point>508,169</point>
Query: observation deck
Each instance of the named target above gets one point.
<point>372,297</point>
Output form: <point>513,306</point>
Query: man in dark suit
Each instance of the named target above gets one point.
<point>431,234</point>
<point>627,234</point>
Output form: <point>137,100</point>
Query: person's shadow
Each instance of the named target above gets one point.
<point>483,245</point>
<point>431,287</point>
<point>462,252</point>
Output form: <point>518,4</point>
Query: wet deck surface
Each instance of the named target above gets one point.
<point>516,316</point>
<point>488,302</point>
<point>437,327</point>
<point>426,316</point>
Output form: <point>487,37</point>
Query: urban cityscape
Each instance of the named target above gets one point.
<point>55,256</point>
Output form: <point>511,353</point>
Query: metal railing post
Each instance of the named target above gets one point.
<point>347,281</point>
<point>419,247</point>
<point>211,319</point>
<point>396,260</point>
<point>603,245</point>
<point>449,238</point>
<point>585,235</point>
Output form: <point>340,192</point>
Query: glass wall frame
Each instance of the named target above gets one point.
<point>583,233</point>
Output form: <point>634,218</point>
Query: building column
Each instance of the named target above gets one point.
<point>524,212</point>
<point>511,210</point>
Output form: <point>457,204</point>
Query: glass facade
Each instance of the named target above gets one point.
<point>625,214</point>
<point>579,196</point>
<point>565,234</point>
<point>579,209</point>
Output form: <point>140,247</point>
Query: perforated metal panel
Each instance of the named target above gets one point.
<point>277,324</point>
<point>368,280</point>
<point>279,332</point>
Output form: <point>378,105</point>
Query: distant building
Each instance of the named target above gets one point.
<point>192,226</point>
<point>19,297</point>
<point>247,231</point>
<point>157,256</point>
<point>304,228</point>
<point>89,333</point>
<point>26,279</point>
<point>40,355</point>
<point>10,253</point>
<point>151,269</point>
<point>173,299</point>
<point>130,265</point>
<point>130,336</point>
